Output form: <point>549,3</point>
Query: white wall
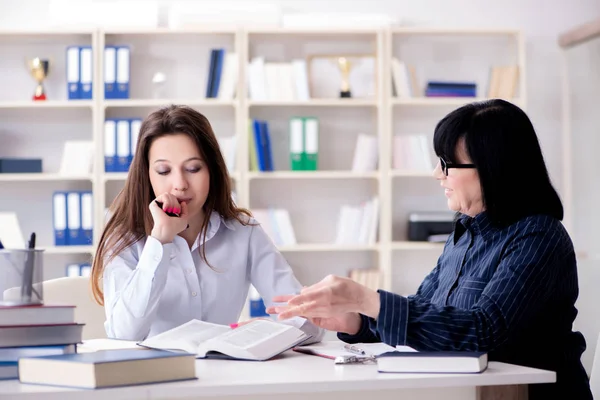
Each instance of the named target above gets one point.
<point>540,20</point>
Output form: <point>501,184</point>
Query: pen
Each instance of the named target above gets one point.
<point>27,284</point>
<point>355,349</point>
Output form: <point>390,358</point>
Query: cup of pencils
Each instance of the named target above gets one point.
<point>21,277</point>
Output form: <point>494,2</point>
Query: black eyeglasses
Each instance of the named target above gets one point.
<point>446,165</point>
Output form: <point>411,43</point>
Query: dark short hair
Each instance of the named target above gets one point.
<point>501,141</point>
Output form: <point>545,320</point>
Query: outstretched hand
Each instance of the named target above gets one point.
<point>328,302</point>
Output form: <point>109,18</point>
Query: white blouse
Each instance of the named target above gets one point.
<point>150,287</point>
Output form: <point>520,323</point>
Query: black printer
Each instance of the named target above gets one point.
<point>430,226</point>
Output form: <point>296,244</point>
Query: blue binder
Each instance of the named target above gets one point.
<point>87,218</point>
<point>220,55</point>
<point>73,68</point>
<point>86,72</point>
<point>122,72</point>
<point>59,218</point>
<point>110,72</point>
<point>123,127</point>
<point>110,145</point>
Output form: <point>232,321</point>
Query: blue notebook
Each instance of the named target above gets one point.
<point>108,368</point>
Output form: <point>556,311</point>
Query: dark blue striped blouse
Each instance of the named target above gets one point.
<point>506,291</point>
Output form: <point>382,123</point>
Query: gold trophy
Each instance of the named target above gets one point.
<point>39,70</point>
<point>345,66</point>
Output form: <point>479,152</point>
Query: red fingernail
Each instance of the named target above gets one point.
<point>170,209</point>
<point>233,326</point>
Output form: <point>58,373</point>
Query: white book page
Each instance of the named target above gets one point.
<point>186,337</point>
<point>257,340</point>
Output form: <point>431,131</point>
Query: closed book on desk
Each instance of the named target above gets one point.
<point>40,335</point>
<point>445,362</point>
<point>258,340</point>
<point>37,315</point>
<point>107,368</point>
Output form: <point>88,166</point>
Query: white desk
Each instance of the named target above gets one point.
<point>294,376</point>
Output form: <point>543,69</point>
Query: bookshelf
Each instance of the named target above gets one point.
<point>313,199</point>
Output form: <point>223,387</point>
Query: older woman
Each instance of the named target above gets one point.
<point>506,282</point>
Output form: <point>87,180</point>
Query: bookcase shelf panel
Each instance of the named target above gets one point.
<point>287,175</point>
<point>60,104</point>
<point>313,199</point>
<point>33,205</point>
<point>314,218</point>
<point>150,54</point>
<point>23,177</point>
<point>338,132</point>
<point>310,268</point>
<point>326,247</point>
<point>43,134</point>
<point>221,119</point>
<point>349,102</point>
<point>414,195</point>
<point>410,268</point>
<point>15,79</point>
<point>440,57</point>
<point>152,104</point>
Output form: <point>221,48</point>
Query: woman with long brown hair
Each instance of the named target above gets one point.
<point>154,271</point>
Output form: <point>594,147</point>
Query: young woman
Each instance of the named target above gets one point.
<point>153,271</point>
<point>506,282</point>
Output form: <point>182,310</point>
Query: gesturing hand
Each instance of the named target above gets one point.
<point>332,297</point>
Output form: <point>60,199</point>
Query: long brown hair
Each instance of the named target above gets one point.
<point>130,219</point>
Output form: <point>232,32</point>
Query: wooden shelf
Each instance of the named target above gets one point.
<point>315,103</point>
<point>327,247</point>
<point>68,250</point>
<point>442,101</point>
<point>165,102</point>
<point>407,245</point>
<point>122,176</point>
<point>47,104</point>
<point>313,175</point>
<point>455,31</point>
<point>409,174</point>
<point>42,177</point>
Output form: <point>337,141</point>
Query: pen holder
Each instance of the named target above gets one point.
<point>21,277</point>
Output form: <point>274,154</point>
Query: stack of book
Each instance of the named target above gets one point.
<point>358,225</point>
<point>33,331</point>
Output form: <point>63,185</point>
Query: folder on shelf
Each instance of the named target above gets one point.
<point>59,218</point>
<point>218,73</point>
<point>123,145</point>
<point>85,269</point>
<point>122,72</point>
<point>74,219</point>
<point>110,72</point>
<point>73,73</point>
<point>252,147</point>
<point>311,143</point>
<point>296,144</point>
<point>211,73</point>
<point>110,145</point>
<point>87,218</point>
<point>72,270</point>
<point>86,65</point>
<point>259,145</point>
<point>266,138</point>
<point>136,125</point>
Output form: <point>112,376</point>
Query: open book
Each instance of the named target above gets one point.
<point>258,340</point>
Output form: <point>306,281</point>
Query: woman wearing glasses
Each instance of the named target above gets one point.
<point>506,282</point>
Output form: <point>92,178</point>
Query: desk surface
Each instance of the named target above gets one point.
<point>290,373</point>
